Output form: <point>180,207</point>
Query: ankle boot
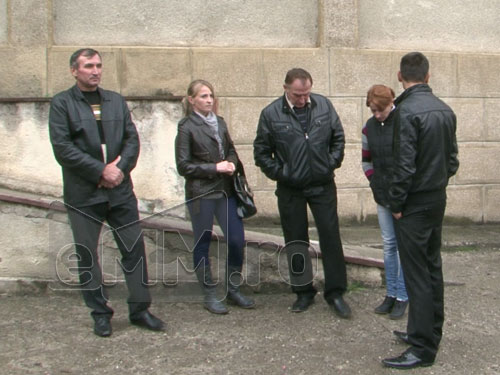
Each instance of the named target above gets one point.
<point>234,296</point>
<point>208,287</point>
<point>386,306</point>
<point>398,310</point>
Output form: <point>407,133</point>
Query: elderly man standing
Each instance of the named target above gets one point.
<point>299,144</point>
<point>97,145</point>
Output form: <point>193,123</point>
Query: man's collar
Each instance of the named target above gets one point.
<point>79,93</point>
<point>291,106</point>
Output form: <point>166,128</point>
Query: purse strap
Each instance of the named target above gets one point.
<point>240,170</point>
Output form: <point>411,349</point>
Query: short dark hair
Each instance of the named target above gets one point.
<point>297,73</point>
<point>414,67</point>
<point>87,52</point>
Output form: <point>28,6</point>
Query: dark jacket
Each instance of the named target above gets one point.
<point>76,144</point>
<point>293,158</point>
<point>425,148</point>
<point>379,137</point>
<point>197,153</point>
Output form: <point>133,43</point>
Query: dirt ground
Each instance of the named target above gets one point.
<point>52,334</point>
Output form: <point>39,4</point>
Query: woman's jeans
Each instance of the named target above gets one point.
<point>202,213</point>
<point>394,280</point>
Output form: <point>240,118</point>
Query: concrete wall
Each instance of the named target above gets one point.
<point>445,25</point>
<point>155,48</point>
<point>222,23</point>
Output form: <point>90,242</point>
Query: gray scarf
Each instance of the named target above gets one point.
<point>213,123</point>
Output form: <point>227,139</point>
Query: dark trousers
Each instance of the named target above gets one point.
<point>123,220</point>
<point>322,201</point>
<point>202,212</point>
<point>419,240</point>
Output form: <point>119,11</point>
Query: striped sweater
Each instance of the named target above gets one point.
<point>366,156</point>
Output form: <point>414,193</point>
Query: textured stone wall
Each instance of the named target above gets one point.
<point>221,23</point>
<point>444,25</point>
<point>3,21</point>
<point>37,255</point>
<point>153,49</point>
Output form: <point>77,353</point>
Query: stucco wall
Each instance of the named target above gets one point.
<point>445,25</point>
<point>222,23</point>
<point>3,21</point>
<point>155,48</point>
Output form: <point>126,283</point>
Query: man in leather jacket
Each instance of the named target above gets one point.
<point>425,157</point>
<point>299,144</point>
<point>97,145</point>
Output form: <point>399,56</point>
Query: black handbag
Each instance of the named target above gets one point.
<point>244,196</point>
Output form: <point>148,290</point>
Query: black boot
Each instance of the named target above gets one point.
<point>234,296</point>
<point>386,306</point>
<point>208,287</point>
<point>398,310</point>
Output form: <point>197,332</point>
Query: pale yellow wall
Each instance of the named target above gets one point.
<point>155,48</point>
<point>444,25</point>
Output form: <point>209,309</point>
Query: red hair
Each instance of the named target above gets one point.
<point>380,96</point>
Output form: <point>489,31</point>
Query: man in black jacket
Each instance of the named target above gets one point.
<point>425,157</point>
<point>97,145</point>
<point>299,144</point>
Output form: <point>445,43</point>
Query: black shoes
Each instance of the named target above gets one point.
<point>102,326</point>
<point>234,279</point>
<point>406,360</point>
<point>147,320</point>
<point>395,308</point>
<point>302,303</point>
<point>210,300</point>
<point>337,304</point>
<point>386,306</point>
<point>402,336</point>
<point>340,307</point>
<point>212,303</point>
<point>102,323</point>
<point>398,310</point>
<point>235,297</point>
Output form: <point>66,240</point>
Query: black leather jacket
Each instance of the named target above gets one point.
<point>197,153</point>
<point>425,148</point>
<point>77,147</point>
<point>293,158</point>
<point>380,137</point>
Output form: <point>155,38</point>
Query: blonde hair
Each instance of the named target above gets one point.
<point>380,95</point>
<point>193,90</point>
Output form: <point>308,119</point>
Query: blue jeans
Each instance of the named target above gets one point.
<point>202,213</point>
<point>394,279</point>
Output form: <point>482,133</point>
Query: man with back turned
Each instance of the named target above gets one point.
<point>425,157</point>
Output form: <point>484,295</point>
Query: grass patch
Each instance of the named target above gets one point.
<point>355,286</point>
<point>460,248</point>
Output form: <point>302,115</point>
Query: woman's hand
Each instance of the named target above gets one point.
<point>225,167</point>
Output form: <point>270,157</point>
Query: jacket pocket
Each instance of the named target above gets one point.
<point>322,162</point>
<point>282,131</point>
<point>203,156</point>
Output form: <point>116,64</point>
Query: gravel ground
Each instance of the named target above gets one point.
<point>52,334</point>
